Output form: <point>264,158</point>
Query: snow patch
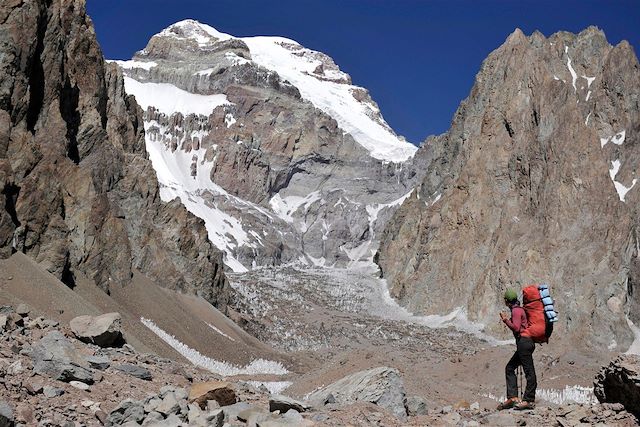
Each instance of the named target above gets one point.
<point>256,367</point>
<point>570,394</point>
<point>621,189</point>
<point>131,64</point>
<point>586,121</point>
<point>170,99</point>
<point>287,206</point>
<point>619,137</point>
<point>589,80</point>
<point>229,120</point>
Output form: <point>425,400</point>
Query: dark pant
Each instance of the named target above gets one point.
<point>523,356</point>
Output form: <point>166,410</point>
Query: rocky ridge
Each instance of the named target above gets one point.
<point>534,182</point>
<point>269,143</point>
<point>79,194</point>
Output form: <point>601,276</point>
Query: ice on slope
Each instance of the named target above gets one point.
<point>169,99</point>
<point>332,97</point>
<point>197,194</point>
<point>256,367</point>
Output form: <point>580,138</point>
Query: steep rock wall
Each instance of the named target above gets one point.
<point>521,190</point>
<point>80,195</point>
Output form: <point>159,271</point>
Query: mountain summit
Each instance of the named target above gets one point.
<point>270,143</point>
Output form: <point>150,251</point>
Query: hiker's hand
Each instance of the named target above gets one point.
<point>503,316</point>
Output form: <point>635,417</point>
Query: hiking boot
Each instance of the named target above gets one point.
<point>509,403</point>
<point>524,405</point>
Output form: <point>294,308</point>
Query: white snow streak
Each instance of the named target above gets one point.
<point>574,76</point>
<point>256,367</point>
<point>634,348</point>
<point>219,331</point>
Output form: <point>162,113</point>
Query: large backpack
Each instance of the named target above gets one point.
<point>541,315</point>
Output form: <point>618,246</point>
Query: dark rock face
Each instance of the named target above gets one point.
<point>78,193</point>
<point>619,382</point>
<point>520,190</point>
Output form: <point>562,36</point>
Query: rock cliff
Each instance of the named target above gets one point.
<point>79,194</point>
<point>534,182</point>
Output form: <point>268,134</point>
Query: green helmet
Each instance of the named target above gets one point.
<point>510,295</point>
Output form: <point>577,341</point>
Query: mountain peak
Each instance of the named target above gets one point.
<point>203,34</point>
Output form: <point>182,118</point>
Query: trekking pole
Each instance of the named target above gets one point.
<point>520,387</point>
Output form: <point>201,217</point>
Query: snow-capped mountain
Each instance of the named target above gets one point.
<point>270,143</point>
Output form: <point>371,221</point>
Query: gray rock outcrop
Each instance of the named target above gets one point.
<point>619,382</point>
<point>382,386</point>
<point>78,192</point>
<point>54,356</point>
<point>534,182</point>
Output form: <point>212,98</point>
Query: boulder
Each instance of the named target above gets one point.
<point>51,392</point>
<point>231,411</point>
<point>219,391</point>
<point>6,415</point>
<point>55,357</point>
<point>98,362</point>
<point>79,385</point>
<point>128,410</point>
<point>619,382</point>
<point>416,405</point>
<point>169,405</point>
<point>382,386</point>
<point>134,371</point>
<point>283,404</point>
<point>23,310</point>
<point>101,330</point>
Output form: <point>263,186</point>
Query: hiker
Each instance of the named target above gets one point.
<point>522,357</point>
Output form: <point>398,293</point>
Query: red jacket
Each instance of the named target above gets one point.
<point>518,321</point>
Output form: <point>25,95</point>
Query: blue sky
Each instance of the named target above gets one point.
<point>417,58</point>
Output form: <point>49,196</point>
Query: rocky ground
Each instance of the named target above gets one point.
<point>352,357</point>
<point>51,378</point>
